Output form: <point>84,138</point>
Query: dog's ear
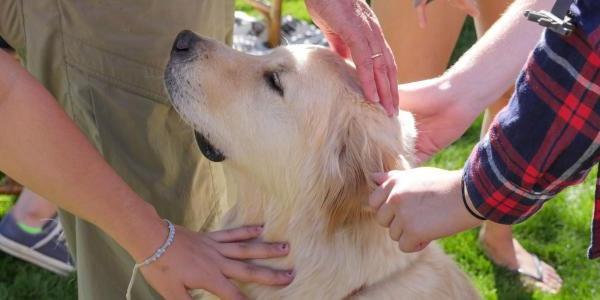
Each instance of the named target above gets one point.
<point>361,151</point>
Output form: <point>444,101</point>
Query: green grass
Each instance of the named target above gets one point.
<point>295,8</point>
<point>559,234</point>
<point>20,280</point>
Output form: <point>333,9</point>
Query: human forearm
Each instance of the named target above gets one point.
<point>445,106</point>
<point>491,66</point>
<point>43,149</point>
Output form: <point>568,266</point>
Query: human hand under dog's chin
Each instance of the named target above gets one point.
<point>353,30</point>
<point>209,260</point>
<point>443,112</point>
<point>420,205</point>
<point>468,6</point>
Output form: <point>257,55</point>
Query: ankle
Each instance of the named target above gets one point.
<point>496,234</point>
<point>499,246</point>
<point>30,219</point>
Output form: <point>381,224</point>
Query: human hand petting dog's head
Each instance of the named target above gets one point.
<point>352,29</point>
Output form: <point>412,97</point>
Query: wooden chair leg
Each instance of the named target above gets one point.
<point>272,13</point>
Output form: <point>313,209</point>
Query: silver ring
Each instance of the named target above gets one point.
<point>376,55</point>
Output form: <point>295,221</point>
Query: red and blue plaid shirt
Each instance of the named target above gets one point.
<point>548,137</point>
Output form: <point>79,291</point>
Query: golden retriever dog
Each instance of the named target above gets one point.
<point>298,144</point>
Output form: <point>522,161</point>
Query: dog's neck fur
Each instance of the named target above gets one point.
<point>323,214</point>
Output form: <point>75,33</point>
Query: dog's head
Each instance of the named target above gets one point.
<point>294,117</point>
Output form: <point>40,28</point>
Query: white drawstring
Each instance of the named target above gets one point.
<point>159,252</point>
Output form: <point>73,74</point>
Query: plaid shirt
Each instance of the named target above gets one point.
<point>547,138</point>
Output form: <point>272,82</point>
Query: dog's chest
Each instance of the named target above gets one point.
<point>334,268</point>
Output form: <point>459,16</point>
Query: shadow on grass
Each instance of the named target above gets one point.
<point>509,286</point>
<point>20,280</point>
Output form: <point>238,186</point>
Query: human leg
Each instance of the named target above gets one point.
<point>31,232</point>
<point>497,239</point>
<point>32,210</point>
<point>420,53</point>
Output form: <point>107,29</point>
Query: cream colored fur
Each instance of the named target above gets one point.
<point>300,164</point>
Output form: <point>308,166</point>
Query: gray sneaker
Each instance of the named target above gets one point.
<point>46,249</point>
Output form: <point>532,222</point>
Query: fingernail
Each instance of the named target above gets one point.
<point>378,178</point>
<point>284,247</point>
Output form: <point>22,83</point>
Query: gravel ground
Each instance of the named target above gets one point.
<point>250,33</point>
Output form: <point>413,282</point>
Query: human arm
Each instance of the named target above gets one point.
<point>42,148</point>
<point>544,141</point>
<point>352,29</point>
<point>447,105</point>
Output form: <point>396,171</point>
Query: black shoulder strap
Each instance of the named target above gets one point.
<point>561,8</point>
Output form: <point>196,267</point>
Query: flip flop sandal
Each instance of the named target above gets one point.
<point>535,281</point>
<point>528,280</point>
<point>539,277</point>
<point>10,187</point>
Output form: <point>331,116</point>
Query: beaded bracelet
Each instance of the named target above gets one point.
<point>157,254</point>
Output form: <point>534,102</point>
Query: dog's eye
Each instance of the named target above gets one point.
<point>272,79</point>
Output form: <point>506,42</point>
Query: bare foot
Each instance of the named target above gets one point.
<point>510,254</point>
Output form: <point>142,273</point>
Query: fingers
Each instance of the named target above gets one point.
<point>383,85</point>
<point>236,234</point>
<point>379,196</point>
<point>406,241</point>
<point>385,215</point>
<point>253,250</point>
<point>409,245</point>
<point>375,62</point>
<point>396,229</point>
<point>225,289</point>
<point>337,44</point>
<point>353,28</point>
<point>385,70</point>
<point>379,178</point>
<point>393,79</point>
<point>181,293</point>
<point>361,55</point>
<point>360,39</point>
<point>246,272</point>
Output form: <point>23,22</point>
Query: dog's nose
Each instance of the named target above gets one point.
<point>184,42</point>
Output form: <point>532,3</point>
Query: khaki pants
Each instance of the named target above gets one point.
<point>104,60</point>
